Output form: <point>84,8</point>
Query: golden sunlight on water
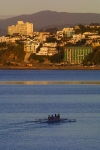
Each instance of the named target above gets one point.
<point>49,82</point>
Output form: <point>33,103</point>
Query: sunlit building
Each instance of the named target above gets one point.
<point>21,27</point>
<point>96,43</point>
<point>68,32</point>
<point>31,46</point>
<point>76,54</point>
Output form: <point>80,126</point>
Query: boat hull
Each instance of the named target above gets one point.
<point>59,121</point>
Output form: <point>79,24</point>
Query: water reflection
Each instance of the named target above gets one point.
<point>49,82</point>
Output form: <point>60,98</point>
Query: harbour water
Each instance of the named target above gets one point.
<point>29,95</point>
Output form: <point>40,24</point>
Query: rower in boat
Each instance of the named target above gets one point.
<point>54,118</point>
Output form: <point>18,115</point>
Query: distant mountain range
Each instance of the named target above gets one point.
<point>47,19</point>
<point>6,16</point>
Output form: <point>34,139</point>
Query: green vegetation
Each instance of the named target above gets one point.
<point>83,29</point>
<point>92,58</point>
<point>57,58</point>
<point>52,30</point>
<point>12,53</point>
<point>37,58</point>
<point>3,45</point>
<point>51,40</point>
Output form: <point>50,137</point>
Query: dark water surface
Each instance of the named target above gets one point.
<point>23,103</point>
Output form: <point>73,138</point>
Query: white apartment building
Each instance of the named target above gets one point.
<point>90,33</point>
<point>78,36</point>
<point>31,46</point>
<point>21,27</point>
<point>52,51</point>
<point>48,49</point>
<point>43,51</point>
<point>50,44</point>
<point>4,39</point>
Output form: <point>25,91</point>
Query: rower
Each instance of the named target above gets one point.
<point>55,117</point>
<point>49,118</point>
<point>58,116</point>
<point>52,117</point>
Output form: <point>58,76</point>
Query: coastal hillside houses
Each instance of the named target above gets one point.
<point>77,43</point>
<point>4,39</point>
<point>10,39</point>
<point>41,36</point>
<point>48,49</point>
<point>78,36</point>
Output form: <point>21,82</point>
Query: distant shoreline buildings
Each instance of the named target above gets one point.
<point>71,41</point>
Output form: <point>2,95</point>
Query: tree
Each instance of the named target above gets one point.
<point>52,30</point>
<point>11,52</point>
<point>34,57</point>
<point>57,58</point>
<point>96,58</point>
<point>51,40</point>
<point>93,57</point>
<point>88,60</point>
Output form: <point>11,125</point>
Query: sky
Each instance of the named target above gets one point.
<point>19,7</point>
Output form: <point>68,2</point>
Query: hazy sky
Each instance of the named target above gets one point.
<point>18,7</point>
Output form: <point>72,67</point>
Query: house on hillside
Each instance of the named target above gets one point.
<point>31,46</point>
<point>68,32</point>
<point>48,49</point>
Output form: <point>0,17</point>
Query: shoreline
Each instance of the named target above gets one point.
<point>50,68</point>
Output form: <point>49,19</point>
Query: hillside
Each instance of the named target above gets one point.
<point>45,19</point>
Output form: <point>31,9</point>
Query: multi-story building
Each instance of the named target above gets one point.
<point>31,46</point>
<point>43,36</point>
<point>43,51</point>
<point>76,54</point>
<point>48,49</point>
<point>96,42</point>
<point>52,51</point>
<point>21,27</point>
<point>68,32</point>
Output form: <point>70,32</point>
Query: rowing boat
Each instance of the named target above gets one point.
<point>56,120</point>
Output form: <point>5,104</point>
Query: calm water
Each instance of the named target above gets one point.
<point>22,103</point>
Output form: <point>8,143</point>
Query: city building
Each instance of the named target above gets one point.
<point>78,36</point>
<point>31,46</point>
<point>68,32</point>
<point>43,51</point>
<point>76,54</point>
<point>42,36</point>
<point>96,42</point>
<point>4,39</point>
<point>48,49</point>
<point>52,51</point>
<point>21,27</point>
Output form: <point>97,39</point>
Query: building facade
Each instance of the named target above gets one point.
<point>76,54</point>
<point>31,46</point>
<point>68,32</point>
<point>96,42</point>
<point>43,51</point>
<point>21,27</point>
